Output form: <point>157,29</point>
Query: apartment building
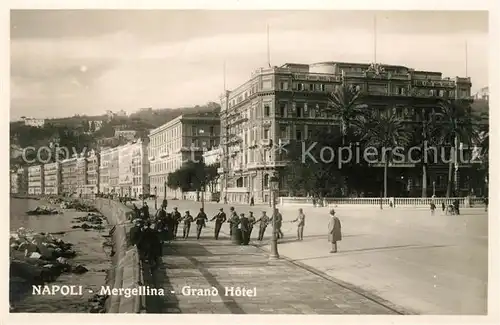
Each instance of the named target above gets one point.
<point>134,168</point>
<point>104,162</point>
<point>19,181</point>
<point>183,139</point>
<point>92,173</point>
<point>35,180</point>
<point>52,178</point>
<point>69,182</point>
<point>285,103</point>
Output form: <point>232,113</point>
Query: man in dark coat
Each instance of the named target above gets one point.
<point>170,226</point>
<point>219,218</point>
<point>161,223</point>
<point>135,233</point>
<point>279,221</point>
<point>263,222</point>
<point>456,206</point>
<point>232,216</point>
<point>200,220</point>
<point>334,231</point>
<point>145,210</point>
<point>152,244</point>
<point>251,222</point>
<point>187,219</point>
<point>245,229</point>
<point>177,219</point>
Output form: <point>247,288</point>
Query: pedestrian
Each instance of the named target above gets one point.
<point>135,232</point>
<point>232,216</point>
<point>314,201</point>
<point>152,244</point>
<point>219,218</point>
<point>334,231</point>
<point>137,211</point>
<point>187,224</point>
<point>170,222</point>
<point>263,222</point>
<point>145,210</point>
<point>443,207</point>
<point>252,201</point>
<point>233,221</point>
<point>164,203</point>
<point>177,219</point>
<point>433,208</point>
<point>251,222</point>
<point>225,199</point>
<point>201,220</point>
<point>245,229</point>
<point>161,223</point>
<point>456,206</point>
<point>279,221</point>
<point>301,219</point>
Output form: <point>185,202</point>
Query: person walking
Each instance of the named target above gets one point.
<point>251,222</point>
<point>433,208</point>
<point>170,226</point>
<point>177,219</point>
<point>200,220</point>
<point>252,201</point>
<point>334,231</point>
<point>245,229</point>
<point>232,216</point>
<point>263,222</point>
<point>161,223</point>
<point>443,207</point>
<point>301,219</point>
<point>219,218</point>
<point>279,221</point>
<point>234,222</point>
<point>145,210</point>
<point>187,224</point>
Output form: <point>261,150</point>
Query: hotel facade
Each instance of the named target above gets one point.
<point>173,144</point>
<point>286,103</point>
<point>133,169</point>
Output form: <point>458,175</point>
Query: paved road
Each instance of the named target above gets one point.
<point>432,265</point>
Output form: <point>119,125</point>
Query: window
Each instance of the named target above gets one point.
<point>194,131</point>
<point>283,133</point>
<point>300,87</point>
<point>267,110</point>
<point>298,135</point>
<point>311,87</point>
<point>322,87</point>
<point>300,112</point>
<point>266,180</point>
<point>212,131</point>
<point>266,133</point>
<point>283,110</point>
<point>284,85</point>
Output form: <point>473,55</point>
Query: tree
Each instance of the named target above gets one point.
<point>212,175</point>
<point>457,126</point>
<point>385,132</point>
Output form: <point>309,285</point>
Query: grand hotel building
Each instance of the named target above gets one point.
<point>288,102</point>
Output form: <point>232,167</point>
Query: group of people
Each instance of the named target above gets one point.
<point>149,233</point>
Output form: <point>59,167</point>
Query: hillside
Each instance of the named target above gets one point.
<point>74,132</point>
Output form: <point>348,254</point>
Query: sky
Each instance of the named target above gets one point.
<point>67,62</point>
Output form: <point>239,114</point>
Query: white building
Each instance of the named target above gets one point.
<point>52,178</point>
<point>133,169</point>
<point>35,122</point>
<point>213,157</point>
<point>35,180</point>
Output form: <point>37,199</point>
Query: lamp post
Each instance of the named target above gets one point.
<point>274,182</point>
<point>433,188</point>
<point>143,196</point>
<point>156,198</point>
<point>164,191</point>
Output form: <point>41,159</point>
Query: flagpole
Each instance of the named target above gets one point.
<point>268,50</point>
<point>466,60</point>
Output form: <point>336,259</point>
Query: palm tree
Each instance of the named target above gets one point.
<point>345,102</point>
<point>427,134</point>
<point>457,125</point>
<point>386,131</point>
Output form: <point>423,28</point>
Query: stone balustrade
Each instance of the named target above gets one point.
<point>374,201</point>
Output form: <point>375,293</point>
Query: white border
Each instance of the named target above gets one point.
<point>494,68</point>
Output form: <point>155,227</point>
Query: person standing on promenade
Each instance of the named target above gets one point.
<point>334,231</point>
<point>301,219</point>
<point>433,208</point>
<point>161,223</point>
<point>245,229</point>
<point>443,207</point>
<point>170,221</point>
<point>187,225</point>
<point>145,210</point>
<point>251,222</point>
<point>177,219</point>
<point>201,220</point>
<point>252,201</point>
<point>279,221</point>
<point>263,222</point>
<point>232,216</point>
<point>219,218</point>
<point>135,233</point>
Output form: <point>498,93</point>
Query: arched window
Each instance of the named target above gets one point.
<point>266,180</point>
<point>239,182</point>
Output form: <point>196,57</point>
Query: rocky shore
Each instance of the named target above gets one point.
<point>72,248</point>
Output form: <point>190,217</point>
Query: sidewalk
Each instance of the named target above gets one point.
<point>281,287</point>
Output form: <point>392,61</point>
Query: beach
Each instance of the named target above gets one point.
<point>90,253</point>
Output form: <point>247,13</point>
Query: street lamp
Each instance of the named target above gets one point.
<point>274,182</point>
<point>156,198</point>
<point>434,188</point>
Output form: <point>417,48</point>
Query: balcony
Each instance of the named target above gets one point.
<point>434,84</point>
<point>266,142</point>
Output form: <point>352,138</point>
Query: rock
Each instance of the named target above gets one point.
<point>85,226</point>
<point>75,227</point>
<point>35,255</point>
<point>79,269</point>
<point>62,260</point>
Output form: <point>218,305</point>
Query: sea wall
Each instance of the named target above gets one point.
<point>126,272</point>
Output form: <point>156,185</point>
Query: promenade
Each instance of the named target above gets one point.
<point>425,264</point>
